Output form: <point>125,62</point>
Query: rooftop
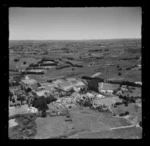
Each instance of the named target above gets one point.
<point>12,123</point>
<point>96,75</point>
<point>47,62</point>
<point>41,93</point>
<point>108,86</point>
<point>35,70</point>
<point>29,81</point>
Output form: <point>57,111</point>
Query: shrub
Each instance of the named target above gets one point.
<point>119,74</point>
<point>43,113</point>
<point>50,99</point>
<point>41,104</point>
<point>16,60</point>
<point>140,123</point>
<point>93,85</point>
<point>83,90</point>
<point>126,113</point>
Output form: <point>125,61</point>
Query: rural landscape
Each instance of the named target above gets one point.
<point>75,89</point>
<point>75,73</point>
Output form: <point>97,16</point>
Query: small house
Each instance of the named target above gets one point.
<point>29,82</point>
<point>107,87</point>
<point>42,92</point>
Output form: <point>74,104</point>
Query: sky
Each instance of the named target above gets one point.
<point>74,23</point>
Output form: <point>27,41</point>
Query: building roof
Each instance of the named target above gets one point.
<point>108,86</point>
<point>49,87</point>
<point>41,93</point>
<point>58,81</point>
<point>35,70</point>
<point>47,62</point>
<point>29,81</point>
<point>96,75</point>
<point>12,123</point>
<point>79,84</point>
<point>75,82</point>
<point>107,101</point>
<point>71,79</point>
<point>64,83</point>
<point>66,88</point>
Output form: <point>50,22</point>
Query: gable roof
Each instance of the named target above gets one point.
<point>108,86</point>
<point>29,81</point>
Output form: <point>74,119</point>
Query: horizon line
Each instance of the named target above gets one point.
<point>74,39</point>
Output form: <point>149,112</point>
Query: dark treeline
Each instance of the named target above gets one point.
<point>125,83</point>
<point>49,64</point>
<point>37,73</point>
<point>90,78</point>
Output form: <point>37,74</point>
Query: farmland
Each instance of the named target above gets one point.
<point>53,63</point>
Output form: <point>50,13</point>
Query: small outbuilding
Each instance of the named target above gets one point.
<point>29,82</point>
<point>107,87</point>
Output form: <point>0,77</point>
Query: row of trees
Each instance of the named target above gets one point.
<point>126,100</point>
<point>128,83</point>
<point>129,98</point>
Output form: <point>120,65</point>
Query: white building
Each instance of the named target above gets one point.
<point>140,83</point>
<point>107,87</point>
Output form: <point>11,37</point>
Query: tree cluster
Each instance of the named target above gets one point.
<point>93,84</point>
<point>125,83</point>
<point>124,114</point>
<point>41,104</point>
<point>50,99</point>
<point>87,102</point>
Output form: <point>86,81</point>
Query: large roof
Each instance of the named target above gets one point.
<point>108,86</point>
<point>12,123</point>
<point>96,75</point>
<point>29,81</point>
<point>41,93</point>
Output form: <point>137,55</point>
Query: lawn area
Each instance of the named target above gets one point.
<point>89,120</point>
<point>50,127</point>
<point>132,108</point>
<point>26,128</point>
<point>126,133</point>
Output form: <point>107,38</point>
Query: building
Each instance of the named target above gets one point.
<point>29,82</point>
<point>12,123</point>
<point>107,101</point>
<point>48,86</point>
<point>96,75</point>
<point>75,82</point>
<point>139,83</point>
<point>35,71</point>
<point>42,92</point>
<point>107,87</point>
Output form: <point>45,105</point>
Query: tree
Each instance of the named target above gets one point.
<point>119,74</point>
<point>28,89</point>
<point>16,60</point>
<point>93,85</point>
<point>41,104</point>
<point>140,123</point>
<point>50,99</point>
<point>126,113</point>
<point>83,90</point>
